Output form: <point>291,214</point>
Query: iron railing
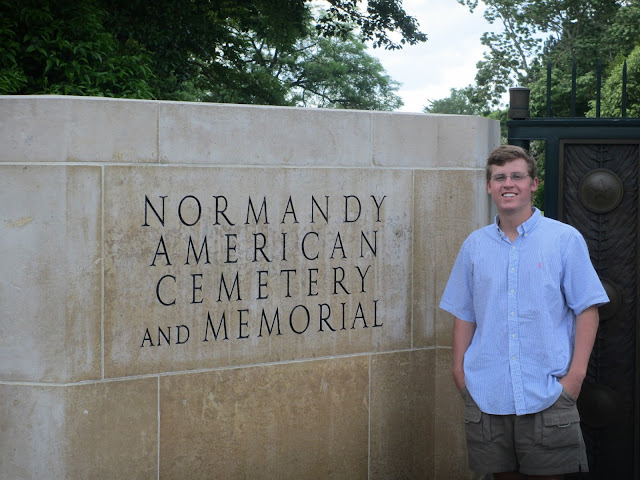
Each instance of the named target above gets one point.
<point>598,89</point>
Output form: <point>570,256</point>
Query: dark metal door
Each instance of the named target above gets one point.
<point>598,194</point>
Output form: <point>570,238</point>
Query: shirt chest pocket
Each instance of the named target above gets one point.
<point>539,288</point>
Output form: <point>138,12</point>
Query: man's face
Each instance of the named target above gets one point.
<point>512,196</point>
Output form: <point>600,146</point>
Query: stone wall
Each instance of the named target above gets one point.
<point>222,291</point>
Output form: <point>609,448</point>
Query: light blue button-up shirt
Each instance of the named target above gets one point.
<point>523,297</point>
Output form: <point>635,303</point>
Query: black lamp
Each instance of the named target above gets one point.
<point>519,103</point>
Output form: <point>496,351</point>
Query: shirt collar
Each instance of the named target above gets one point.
<point>526,227</point>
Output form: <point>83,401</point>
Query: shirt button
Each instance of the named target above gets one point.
<point>513,269</point>
<point>513,291</point>
<point>514,247</point>
<point>513,335</point>
<point>526,234</point>
<point>513,313</point>
<point>513,358</point>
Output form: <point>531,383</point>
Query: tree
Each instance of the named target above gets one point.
<point>382,17</point>
<point>243,51</point>
<point>464,101</point>
<point>559,31</point>
<point>611,105</point>
<point>341,74</point>
<point>316,71</point>
<point>63,48</point>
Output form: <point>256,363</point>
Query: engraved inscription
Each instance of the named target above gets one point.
<point>207,267</point>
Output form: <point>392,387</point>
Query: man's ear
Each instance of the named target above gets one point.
<point>535,184</point>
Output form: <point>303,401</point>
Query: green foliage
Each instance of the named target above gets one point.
<point>316,71</point>
<point>239,51</point>
<point>62,48</point>
<point>559,31</point>
<point>611,104</point>
<point>381,18</point>
<point>538,150</point>
<point>502,116</point>
<point>507,60</point>
<point>329,72</point>
<point>464,101</point>
<point>194,45</point>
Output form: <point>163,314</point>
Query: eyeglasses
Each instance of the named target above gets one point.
<point>516,177</point>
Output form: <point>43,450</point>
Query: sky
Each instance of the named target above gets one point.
<point>447,60</point>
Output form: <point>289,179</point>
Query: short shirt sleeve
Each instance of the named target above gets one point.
<point>580,283</point>
<point>457,298</point>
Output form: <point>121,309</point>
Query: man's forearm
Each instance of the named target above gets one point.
<point>462,336</point>
<point>586,329</point>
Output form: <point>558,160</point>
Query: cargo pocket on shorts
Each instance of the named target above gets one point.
<point>472,420</point>
<point>561,426</point>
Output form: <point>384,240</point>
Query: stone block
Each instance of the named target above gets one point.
<point>50,128</point>
<point>218,134</point>
<point>88,431</point>
<point>449,204</point>
<point>50,244</point>
<point>275,281</point>
<point>465,140</point>
<point>403,439</point>
<point>404,140</point>
<point>112,430</point>
<point>32,432</point>
<point>298,420</point>
<point>432,141</point>
<point>450,448</point>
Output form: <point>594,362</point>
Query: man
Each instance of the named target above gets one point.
<point>525,296</point>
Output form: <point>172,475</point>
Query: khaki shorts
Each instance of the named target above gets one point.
<point>544,443</point>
